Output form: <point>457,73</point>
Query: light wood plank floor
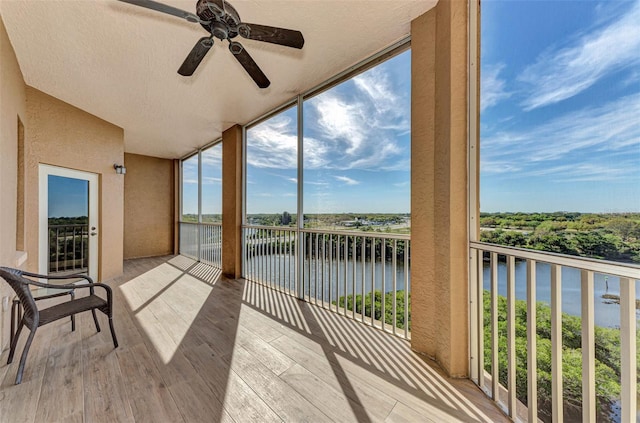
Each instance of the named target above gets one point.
<point>197,348</point>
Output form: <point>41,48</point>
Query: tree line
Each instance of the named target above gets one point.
<point>603,236</point>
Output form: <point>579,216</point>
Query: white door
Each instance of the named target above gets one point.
<point>68,224</point>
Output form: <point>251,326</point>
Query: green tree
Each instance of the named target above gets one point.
<point>625,228</point>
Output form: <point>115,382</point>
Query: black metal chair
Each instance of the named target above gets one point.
<point>33,317</point>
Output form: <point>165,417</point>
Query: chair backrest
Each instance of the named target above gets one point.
<point>21,287</point>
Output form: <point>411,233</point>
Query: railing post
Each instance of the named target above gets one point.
<point>495,362</point>
<point>532,378</point>
<point>588,349</point>
<point>511,335</point>
<point>556,344</point>
<point>628,368</point>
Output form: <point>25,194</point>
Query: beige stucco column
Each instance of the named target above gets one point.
<point>232,202</point>
<point>439,256</point>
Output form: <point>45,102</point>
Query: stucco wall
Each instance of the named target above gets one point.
<point>59,134</point>
<point>232,202</point>
<point>148,206</point>
<point>12,105</point>
<point>439,200</point>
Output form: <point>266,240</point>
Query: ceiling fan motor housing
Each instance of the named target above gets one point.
<point>219,18</point>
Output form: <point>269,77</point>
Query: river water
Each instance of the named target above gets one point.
<point>331,278</point>
<point>607,313</point>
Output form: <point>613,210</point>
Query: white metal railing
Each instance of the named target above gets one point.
<point>211,243</point>
<point>68,248</point>
<point>202,241</point>
<point>493,273</point>
<point>364,276</point>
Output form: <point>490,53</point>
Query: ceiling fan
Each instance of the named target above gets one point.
<point>222,21</point>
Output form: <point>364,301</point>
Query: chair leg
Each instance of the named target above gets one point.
<point>14,343</point>
<point>113,333</point>
<point>95,319</point>
<point>23,359</point>
<point>73,316</point>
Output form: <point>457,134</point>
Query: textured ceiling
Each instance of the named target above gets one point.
<point>119,62</point>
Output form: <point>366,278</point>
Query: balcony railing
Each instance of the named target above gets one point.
<point>362,276</point>
<point>202,241</point>
<point>68,248</point>
<point>550,284</point>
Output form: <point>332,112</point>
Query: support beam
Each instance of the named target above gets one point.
<point>232,202</point>
<point>439,199</point>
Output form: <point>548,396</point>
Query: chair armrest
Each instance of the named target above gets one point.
<point>91,285</point>
<point>56,277</point>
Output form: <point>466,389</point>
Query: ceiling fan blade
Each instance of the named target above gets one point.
<point>270,34</point>
<point>194,58</point>
<point>248,64</point>
<point>159,7</point>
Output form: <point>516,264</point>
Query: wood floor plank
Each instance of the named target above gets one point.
<point>268,355</point>
<point>23,399</point>
<point>333,402</point>
<point>148,395</point>
<point>74,418</point>
<point>63,373</point>
<point>403,414</point>
<point>105,398</point>
<point>214,370</point>
<point>243,405</point>
<point>238,399</point>
<point>197,403</point>
<point>290,405</point>
<point>375,401</point>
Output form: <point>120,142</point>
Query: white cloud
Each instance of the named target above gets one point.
<point>360,124</point>
<point>342,120</point>
<point>351,126</point>
<point>274,144</point>
<point>596,143</point>
<point>488,165</point>
<point>564,72</point>
<point>376,85</point>
<point>492,87</point>
<point>347,180</point>
<point>586,172</point>
<point>212,156</point>
<point>208,180</point>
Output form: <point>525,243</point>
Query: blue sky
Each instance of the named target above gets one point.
<point>560,106</point>
<point>68,197</point>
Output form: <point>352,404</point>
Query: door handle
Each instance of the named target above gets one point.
<point>94,233</point>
